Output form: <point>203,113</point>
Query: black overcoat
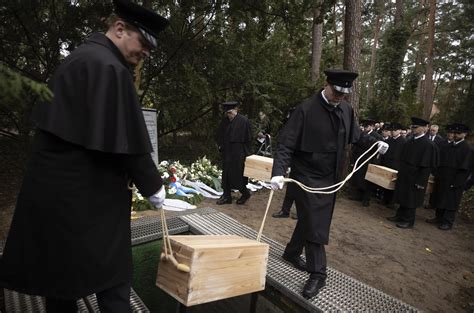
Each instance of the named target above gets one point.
<point>313,143</point>
<point>70,233</point>
<point>234,139</point>
<point>452,174</point>
<point>417,159</point>
<point>358,179</point>
<point>391,158</point>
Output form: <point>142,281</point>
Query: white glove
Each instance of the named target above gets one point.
<point>158,198</point>
<point>383,147</point>
<point>277,182</point>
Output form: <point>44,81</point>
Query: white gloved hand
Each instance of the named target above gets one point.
<point>383,147</point>
<point>158,198</point>
<point>277,182</point>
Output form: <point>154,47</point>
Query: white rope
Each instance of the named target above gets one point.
<point>320,190</point>
<point>341,183</point>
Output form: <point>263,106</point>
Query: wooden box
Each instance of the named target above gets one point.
<point>258,167</point>
<point>382,176</point>
<point>385,177</point>
<point>221,266</point>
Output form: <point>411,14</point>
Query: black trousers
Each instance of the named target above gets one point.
<point>243,189</point>
<point>287,202</point>
<point>446,216</point>
<point>315,253</point>
<point>115,299</point>
<point>406,214</point>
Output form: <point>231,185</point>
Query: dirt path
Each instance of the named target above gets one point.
<point>430,269</point>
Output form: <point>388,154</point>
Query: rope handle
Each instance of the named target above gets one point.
<point>168,253</point>
<point>320,190</point>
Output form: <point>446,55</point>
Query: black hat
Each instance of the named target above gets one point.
<point>149,23</point>
<point>449,128</point>
<point>230,105</point>
<point>341,79</point>
<point>395,126</point>
<point>419,121</point>
<point>387,126</point>
<point>459,128</point>
<point>367,122</point>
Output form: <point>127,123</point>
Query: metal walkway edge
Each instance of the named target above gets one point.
<point>143,230</point>
<point>17,302</point>
<point>341,293</point>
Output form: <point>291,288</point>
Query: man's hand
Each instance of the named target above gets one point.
<point>277,182</point>
<point>383,147</point>
<point>158,198</point>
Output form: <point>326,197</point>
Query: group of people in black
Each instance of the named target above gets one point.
<point>417,155</point>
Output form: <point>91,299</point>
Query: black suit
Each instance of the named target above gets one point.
<point>314,143</point>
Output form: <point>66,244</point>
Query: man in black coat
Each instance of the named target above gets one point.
<point>433,134</point>
<point>234,140</point>
<point>418,157</point>
<point>70,234</point>
<point>453,172</point>
<point>363,187</point>
<point>314,143</point>
<point>391,159</point>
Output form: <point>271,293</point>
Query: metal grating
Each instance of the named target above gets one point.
<point>342,292</point>
<point>148,228</point>
<point>18,302</point>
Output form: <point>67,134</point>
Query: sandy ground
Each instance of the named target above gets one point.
<point>428,268</point>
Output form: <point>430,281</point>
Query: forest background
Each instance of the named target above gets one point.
<point>414,57</point>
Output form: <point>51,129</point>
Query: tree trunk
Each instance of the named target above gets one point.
<point>317,47</point>
<point>428,94</point>
<point>372,58</point>
<point>352,45</point>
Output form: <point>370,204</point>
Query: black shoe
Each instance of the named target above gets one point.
<point>297,262</point>
<point>445,226</point>
<point>223,200</point>
<point>365,202</point>
<point>243,199</point>
<point>405,225</point>
<point>433,220</point>
<point>281,214</point>
<point>312,286</point>
<point>394,218</point>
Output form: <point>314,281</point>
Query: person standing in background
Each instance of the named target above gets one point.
<point>234,141</point>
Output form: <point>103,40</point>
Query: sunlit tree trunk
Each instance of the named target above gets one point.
<point>317,45</point>
<point>352,44</point>
<point>428,92</point>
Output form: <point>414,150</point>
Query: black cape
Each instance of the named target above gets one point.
<point>234,139</point>
<point>70,233</point>
<point>417,159</point>
<point>314,143</point>
<point>452,174</point>
<point>95,104</point>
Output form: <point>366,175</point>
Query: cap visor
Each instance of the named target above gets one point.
<point>343,89</point>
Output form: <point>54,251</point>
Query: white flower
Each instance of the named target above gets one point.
<point>165,175</point>
<point>172,190</point>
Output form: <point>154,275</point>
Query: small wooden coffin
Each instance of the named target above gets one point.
<point>382,176</point>
<point>258,167</point>
<point>221,266</point>
<point>385,177</point>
